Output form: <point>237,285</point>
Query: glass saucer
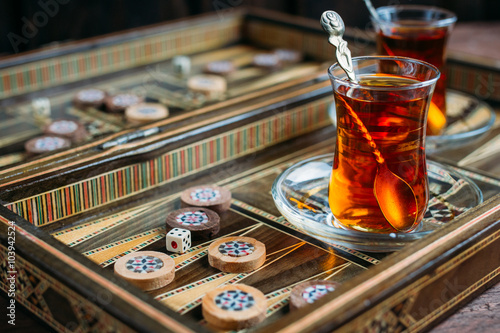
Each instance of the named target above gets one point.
<point>469,119</point>
<point>301,195</point>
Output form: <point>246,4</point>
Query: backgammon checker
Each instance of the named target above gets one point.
<point>68,128</point>
<point>44,144</point>
<point>236,254</point>
<point>203,223</point>
<point>119,102</point>
<point>91,97</point>
<point>288,56</point>
<point>269,61</point>
<point>234,307</point>
<point>212,197</point>
<point>221,67</point>
<point>148,270</point>
<point>212,86</point>
<point>145,112</point>
<point>309,292</point>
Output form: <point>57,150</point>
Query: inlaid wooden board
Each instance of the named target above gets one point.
<point>291,256</point>
<point>157,83</point>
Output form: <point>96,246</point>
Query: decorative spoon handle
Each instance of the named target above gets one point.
<point>332,23</point>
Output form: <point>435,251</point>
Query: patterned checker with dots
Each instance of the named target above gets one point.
<point>236,248</point>
<point>313,293</point>
<point>63,126</point>
<point>147,111</point>
<point>144,264</point>
<point>192,218</point>
<point>49,143</point>
<point>220,66</point>
<point>205,195</point>
<point>234,300</point>
<point>90,95</point>
<point>125,100</point>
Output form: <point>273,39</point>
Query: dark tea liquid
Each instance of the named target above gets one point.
<point>396,123</point>
<point>427,44</point>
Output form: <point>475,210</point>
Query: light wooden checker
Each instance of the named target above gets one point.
<point>250,258</point>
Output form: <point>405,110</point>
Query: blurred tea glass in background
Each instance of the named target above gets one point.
<point>379,179</point>
<point>419,32</point>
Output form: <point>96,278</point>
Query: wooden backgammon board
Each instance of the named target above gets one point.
<point>77,211</point>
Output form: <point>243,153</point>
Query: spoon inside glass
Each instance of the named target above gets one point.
<point>394,195</point>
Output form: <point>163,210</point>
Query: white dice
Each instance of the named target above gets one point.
<point>181,65</point>
<point>178,240</point>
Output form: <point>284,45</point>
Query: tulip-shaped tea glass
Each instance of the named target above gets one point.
<point>419,32</point>
<point>379,180</point>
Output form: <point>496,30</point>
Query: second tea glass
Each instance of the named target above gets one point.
<point>419,32</point>
<point>379,180</point>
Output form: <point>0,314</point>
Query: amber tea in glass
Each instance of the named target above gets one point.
<point>380,120</point>
<point>419,32</point>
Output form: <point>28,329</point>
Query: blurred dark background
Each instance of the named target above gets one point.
<point>30,24</point>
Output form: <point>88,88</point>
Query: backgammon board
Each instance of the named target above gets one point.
<point>77,211</point>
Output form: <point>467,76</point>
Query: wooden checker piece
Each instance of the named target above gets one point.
<point>212,86</point>
<point>236,254</point>
<point>145,112</point>
<point>120,102</point>
<point>148,270</point>
<point>68,128</point>
<point>203,223</point>
<point>46,143</point>
<point>212,197</point>
<point>234,307</point>
<point>267,61</point>
<point>91,97</point>
<point>221,67</point>
<point>288,56</point>
<point>309,292</point>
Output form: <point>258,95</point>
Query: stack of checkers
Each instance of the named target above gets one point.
<point>202,222</point>
<point>145,112</point>
<point>309,292</point>
<point>67,128</point>
<point>236,254</point>
<point>212,197</point>
<point>234,307</point>
<point>147,270</point>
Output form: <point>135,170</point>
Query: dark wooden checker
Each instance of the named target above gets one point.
<point>76,212</point>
